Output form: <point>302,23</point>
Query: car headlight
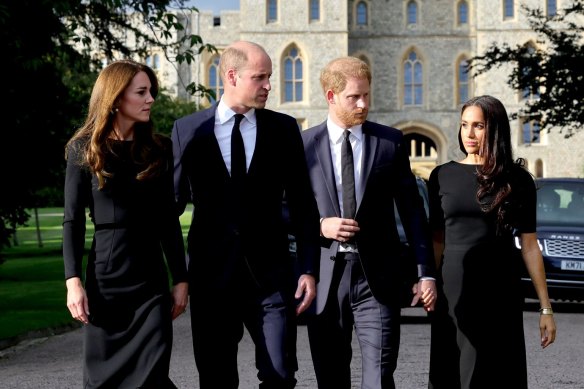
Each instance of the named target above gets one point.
<point>518,243</point>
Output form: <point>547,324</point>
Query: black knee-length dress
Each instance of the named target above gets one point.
<point>477,328</point>
<point>127,343</point>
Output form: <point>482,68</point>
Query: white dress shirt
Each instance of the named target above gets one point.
<point>224,120</point>
<point>336,141</point>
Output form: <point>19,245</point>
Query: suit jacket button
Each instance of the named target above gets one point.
<point>332,258</point>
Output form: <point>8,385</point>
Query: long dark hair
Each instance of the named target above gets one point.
<point>495,174</point>
<point>92,137</point>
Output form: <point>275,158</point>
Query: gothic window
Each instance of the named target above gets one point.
<point>462,12</point>
<point>156,64</point>
<point>215,82</point>
<point>293,75</point>
<point>362,13</point>
<point>314,10</point>
<point>508,9</point>
<point>413,85</point>
<point>272,15</point>
<point>531,132</point>
<point>530,92</point>
<point>463,81</point>
<point>539,168</point>
<point>551,7</point>
<point>412,12</point>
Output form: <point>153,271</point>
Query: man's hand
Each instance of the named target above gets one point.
<point>307,291</point>
<point>338,229</point>
<point>180,299</point>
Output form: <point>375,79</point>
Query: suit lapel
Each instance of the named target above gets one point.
<point>323,155</point>
<point>370,144</point>
<point>206,131</point>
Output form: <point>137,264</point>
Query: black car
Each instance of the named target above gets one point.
<point>560,233</point>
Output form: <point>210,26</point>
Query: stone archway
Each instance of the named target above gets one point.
<point>426,147</point>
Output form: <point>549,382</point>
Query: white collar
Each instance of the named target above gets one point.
<point>224,113</point>
<point>336,132</point>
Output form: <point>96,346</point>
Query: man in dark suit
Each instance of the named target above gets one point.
<point>358,168</point>
<point>240,269</point>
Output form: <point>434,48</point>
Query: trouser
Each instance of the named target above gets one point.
<point>377,327</point>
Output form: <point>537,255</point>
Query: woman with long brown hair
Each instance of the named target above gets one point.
<point>122,171</point>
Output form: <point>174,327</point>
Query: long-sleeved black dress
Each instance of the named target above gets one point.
<point>477,328</point>
<point>127,343</point>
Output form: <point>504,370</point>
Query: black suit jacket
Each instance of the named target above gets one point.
<point>215,237</point>
<point>386,176</point>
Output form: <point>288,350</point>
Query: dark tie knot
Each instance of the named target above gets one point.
<point>347,135</point>
<point>238,118</point>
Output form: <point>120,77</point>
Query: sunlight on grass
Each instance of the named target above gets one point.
<point>32,295</point>
<point>32,283</point>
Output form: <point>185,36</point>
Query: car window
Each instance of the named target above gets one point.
<point>560,203</point>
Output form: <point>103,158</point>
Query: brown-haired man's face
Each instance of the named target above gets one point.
<point>351,106</point>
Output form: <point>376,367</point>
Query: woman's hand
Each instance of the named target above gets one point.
<point>77,300</point>
<point>547,329</point>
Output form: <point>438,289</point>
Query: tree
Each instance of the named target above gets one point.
<point>51,52</point>
<point>552,73</point>
<point>167,109</point>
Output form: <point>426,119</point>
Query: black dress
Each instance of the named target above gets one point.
<point>477,328</point>
<point>127,343</point>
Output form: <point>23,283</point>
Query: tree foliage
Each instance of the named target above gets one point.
<point>51,51</point>
<point>549,74</point>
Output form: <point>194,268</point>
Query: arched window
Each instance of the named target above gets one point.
<point>529,92</point>
<point>148,61</point>
<point>551,8</point>
<point>215,82</point>
<point>272,11</point>
<point>314,10</point>
<point>412,12</point>
<point>463,81</point>
<point>413,84</point>
<point>531,132</point>
<point>508,9</point>
<point>293,75</point>
<point>539,168</point>
<point>156,64</point>
<point>362,13</point>
<point>462,12</point>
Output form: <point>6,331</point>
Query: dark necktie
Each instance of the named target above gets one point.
<point>238,168</point>
<point>348,178</point>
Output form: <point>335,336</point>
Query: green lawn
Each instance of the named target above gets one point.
<point>32,286</point>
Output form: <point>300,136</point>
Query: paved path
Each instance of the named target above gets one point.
<point>54,362</point>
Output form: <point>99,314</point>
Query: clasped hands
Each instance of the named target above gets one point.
<point>425,291</point>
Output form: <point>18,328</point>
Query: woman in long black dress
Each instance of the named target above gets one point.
<point>119,169</point>
<point>477,206</point>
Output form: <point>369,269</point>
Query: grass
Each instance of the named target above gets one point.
<point>32,285</point>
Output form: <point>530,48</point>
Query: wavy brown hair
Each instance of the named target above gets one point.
<point>495,174</point>
<point>92,140</point>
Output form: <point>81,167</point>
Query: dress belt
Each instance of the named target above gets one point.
<point>111,226</point>
<point>348,256</point>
